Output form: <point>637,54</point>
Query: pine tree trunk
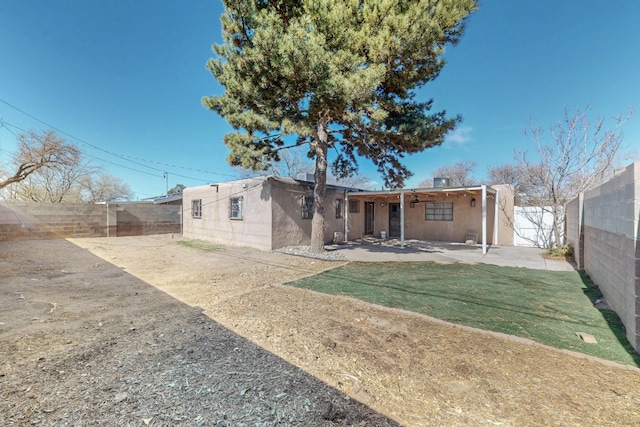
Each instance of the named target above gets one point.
<point>320,189</point>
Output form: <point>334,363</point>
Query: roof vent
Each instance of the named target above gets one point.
<point>441,182</point>
<point>305,177</point>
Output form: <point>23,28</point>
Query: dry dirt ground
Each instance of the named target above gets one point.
<point>143,331</point>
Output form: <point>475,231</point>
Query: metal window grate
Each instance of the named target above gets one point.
<point>236,208</point>
<point>307,207</point>
<point>439,211</point>
<point>196,208</point>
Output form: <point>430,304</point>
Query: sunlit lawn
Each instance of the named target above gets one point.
<point>546,306</point>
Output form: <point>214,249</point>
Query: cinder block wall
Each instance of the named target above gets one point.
<point>20,221</point>
<point>610,251</point>
<point>145,219</point>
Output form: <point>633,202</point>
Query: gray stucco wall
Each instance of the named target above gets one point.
<point>575,228</point>
<point>289,228</point>
<point>272,215</point>
<point>609,250</point>
<point>215,223</point>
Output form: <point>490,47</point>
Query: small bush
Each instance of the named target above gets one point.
<point>561,251</point>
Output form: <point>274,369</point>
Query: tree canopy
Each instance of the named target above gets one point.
<point>576,154</point>
<point>333,75</point>
<point>46,168</point>
<point>43,151</point>
<point>460,174</point>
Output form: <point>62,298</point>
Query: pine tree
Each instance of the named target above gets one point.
<point>336,74</point>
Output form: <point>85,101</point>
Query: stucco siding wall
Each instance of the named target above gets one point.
<point>289,228</point>
<point>611,254</point>
<point>466,219</point>
<point>355,220</point>
<point>215,224</point>
<point>574,227</point>
<point>505,214</point>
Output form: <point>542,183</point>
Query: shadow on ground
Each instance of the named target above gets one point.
<point>84,342</point>
<point>592,292</point>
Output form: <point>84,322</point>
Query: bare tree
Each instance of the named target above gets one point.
<point>294,161</point>
<point>460,174</point>
<point>104,188</point>
<point>48,169</point>
<point>507,174</point>
<point>290,163</point>
<point>524,179</point>
<point>43,151</point>
<point>578,154</point>
<point>55,184</point>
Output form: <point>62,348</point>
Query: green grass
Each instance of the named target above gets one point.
<point>200,244</point>
<point>546,306</point>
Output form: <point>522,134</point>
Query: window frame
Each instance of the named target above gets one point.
<point>306,208</point>
<point>196,208</point>
<point>240,203</point>
<point>354,206</point>
<point>438,211</point>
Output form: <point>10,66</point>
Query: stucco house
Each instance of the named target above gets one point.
<point>265,212</point>
<point>272,212</point>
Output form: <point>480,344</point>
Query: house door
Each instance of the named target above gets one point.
<point>394,219</point>
<point>368,217</point>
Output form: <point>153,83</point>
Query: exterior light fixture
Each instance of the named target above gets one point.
<point>473,202</point>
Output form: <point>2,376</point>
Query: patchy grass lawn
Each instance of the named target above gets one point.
<point>201,244</point>
<point>549,307</point>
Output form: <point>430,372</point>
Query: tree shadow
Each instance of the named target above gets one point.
<point>614,322</point>
<point>111,349</point>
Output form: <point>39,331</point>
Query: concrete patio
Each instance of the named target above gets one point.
<point>379,250</point>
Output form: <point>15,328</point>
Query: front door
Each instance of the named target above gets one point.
<point>368,217</point>
<point>394,219</point>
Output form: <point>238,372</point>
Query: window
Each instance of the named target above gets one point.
<point>196,208</point>
<point>307,207</point>
<point>236,208</point>
<point>354,206</point>
<point>439,211</point>
<point>338,208</point>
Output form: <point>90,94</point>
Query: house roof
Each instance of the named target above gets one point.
<point>428,190</point>
<point>311,183</point>
<point>167,199</point>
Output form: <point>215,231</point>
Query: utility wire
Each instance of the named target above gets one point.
<point>121,156</point>
<point>7,124</point>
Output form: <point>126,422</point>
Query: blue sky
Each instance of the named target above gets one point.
<point>124,81</point>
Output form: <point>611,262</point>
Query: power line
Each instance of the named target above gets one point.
<point>121,156</point>
<point>7,124</point>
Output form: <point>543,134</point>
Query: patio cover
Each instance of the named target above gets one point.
<point>481,189</point>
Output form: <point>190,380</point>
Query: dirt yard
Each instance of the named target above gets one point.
<point>143,331</point>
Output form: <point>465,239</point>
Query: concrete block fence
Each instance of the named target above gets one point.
<point>19,221</point>
<point>602,226</point>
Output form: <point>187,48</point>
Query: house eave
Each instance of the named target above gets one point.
<point>469,189</point>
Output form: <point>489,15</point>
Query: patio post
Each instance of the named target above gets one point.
<point>402,218</point>
<point>484,219</point>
